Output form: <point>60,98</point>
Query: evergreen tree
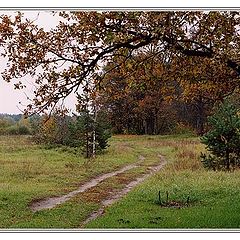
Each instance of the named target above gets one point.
<point>82,130</point>
<point>223,140</point>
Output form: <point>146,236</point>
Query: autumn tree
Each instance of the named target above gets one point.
<point>139,102</point>
<point>46,131</point>
<point>134,95</point>
<point>62,59</point>
<point>51,129</point>
<point>203,84</point>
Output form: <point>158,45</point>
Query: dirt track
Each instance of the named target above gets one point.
<point>54,201</point>
<point>124,191</point>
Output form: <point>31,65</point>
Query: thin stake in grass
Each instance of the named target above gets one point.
<point>188,198</point>
<point>159,198</point>
<point>167,197</point>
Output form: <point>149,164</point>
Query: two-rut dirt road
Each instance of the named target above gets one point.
<point>54,201</point>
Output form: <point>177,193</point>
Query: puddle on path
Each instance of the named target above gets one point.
<point>124,191</point>
<point>54,201</point>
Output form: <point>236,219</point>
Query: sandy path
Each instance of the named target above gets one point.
<point>124,191</point>
<point>54,201</point>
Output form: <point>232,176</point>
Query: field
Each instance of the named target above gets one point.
<point>190,196</point>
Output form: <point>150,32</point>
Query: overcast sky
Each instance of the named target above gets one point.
<point>10,98</point>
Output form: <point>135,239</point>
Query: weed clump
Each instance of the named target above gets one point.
<point>167,203</point>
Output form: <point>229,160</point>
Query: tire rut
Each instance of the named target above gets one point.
<point>54,201</point>
<point>107,202</point>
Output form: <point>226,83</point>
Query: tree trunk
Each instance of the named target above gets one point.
<point>145,126</point>
<point>87,146</point>
<point>200,116</point>
<point>227,160</point>
<point>94,131</point>
<point>155,131</point>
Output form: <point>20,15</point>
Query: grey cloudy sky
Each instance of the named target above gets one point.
<point>10,98</point>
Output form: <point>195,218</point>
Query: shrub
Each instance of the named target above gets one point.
<point>23,130</point>
<point>12,130</point>
<point>76,132</point>
<point>17,130</point>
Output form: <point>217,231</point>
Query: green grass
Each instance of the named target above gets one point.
<point>213,196</point>
<point>29,172</point>
<point>214,203</point>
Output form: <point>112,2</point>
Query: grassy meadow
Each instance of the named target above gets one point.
<point>197,198</point>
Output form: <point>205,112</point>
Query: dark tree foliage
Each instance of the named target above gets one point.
<point>223,140</point>
<point>82,131</point>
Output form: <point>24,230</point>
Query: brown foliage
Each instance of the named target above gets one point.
<point>62,59</point>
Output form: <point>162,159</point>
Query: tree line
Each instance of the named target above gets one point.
<point>14,124</point>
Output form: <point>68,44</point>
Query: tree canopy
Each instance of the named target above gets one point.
<point>64,58</point>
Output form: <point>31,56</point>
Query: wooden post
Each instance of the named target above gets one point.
<point>159,198</point>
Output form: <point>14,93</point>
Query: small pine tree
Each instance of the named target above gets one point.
<point>82,130</point>
<point>80,133</point>
<point>103,131</point>
<point>223,140</point>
